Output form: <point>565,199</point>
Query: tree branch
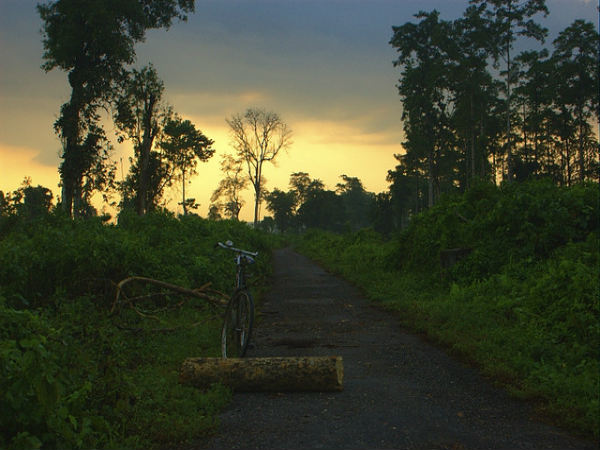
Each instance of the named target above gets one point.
<point>197,293</point>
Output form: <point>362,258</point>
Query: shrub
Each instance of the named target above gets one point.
<point>523,305</point>
<point>74,376</point>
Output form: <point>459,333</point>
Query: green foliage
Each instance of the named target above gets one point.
<point>465,120</point>
<point>523,305</point>
<point>500,225</point>
<point>282,205</point>
<point>73,375</point>
<point>309,205</point>
<point>92,42</point>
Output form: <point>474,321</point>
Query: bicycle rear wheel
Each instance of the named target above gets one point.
<point>237,326</point>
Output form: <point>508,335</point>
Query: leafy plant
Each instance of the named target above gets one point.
<point>74,376</point>
<point>523,305</point>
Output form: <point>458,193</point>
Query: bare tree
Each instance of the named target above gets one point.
<point>258,136</point>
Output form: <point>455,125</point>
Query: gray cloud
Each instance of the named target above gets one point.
<point>310,60</point>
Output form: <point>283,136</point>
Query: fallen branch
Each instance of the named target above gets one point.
<point>197,293</point>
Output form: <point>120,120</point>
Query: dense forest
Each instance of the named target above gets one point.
<point>472,112</point>
<point>487,239</point>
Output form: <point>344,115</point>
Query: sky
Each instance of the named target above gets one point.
<point>325,66</point>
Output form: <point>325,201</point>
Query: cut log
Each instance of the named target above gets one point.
<point>273,374</point>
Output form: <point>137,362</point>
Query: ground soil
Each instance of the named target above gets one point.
<point>399,391</point>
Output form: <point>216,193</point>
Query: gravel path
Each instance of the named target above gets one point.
<point>399,391</point>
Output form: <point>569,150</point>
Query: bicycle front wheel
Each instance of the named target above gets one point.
<point>237,326</point>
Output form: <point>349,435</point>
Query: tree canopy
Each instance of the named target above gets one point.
<point>92,42</point>
<point>184,146</point>
<point>468,119</point>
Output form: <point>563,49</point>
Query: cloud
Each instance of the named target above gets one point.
<point>216,104</point>
<point>20,162</point>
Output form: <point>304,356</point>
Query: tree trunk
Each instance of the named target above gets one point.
<point>470,147</point>
<point>69,127</point>
<point>430,199</point>
<point>145,148</point>
<point>77,198</point>
<point>582,165</point>
<point>257,191</point>
<point>568,162</point>
<point>509,159</point>
<point>183,192</point>
<point>274,374</point>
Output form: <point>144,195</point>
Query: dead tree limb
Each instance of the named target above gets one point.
<point>197,293</point>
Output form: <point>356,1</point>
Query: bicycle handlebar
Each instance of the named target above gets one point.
<point>229,246</point>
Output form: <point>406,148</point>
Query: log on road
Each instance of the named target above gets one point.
<point>274,374</point>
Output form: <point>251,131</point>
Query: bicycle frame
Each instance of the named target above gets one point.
<point>240,277</point>
<point>239,316</point>
<point>242,258</point>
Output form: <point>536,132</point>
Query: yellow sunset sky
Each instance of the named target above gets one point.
<point>324,66</point>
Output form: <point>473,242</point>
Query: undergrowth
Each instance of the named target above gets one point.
<point>78,371</point>
<point>523,304</point>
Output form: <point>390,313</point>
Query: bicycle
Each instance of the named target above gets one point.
<point>239,315</point>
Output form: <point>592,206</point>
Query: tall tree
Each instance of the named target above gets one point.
<point>282,205</point>
<point>92,41</point>
<point>474,96</point>
<point>322,209</point>
<point>358,203</point>
<point>301,184</point>
<point>509,19</point>
<point>406,195</point>
<point>534,95</point>
<point>423,88</point>
<point>230,188</point>
<point>27,201</point>
<point>139,115</point>
<point>577,87</point>
<point>184,146</point>
<point>258,137</point>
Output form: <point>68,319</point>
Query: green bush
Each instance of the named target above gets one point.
<point>75,375</point>
<point>523,305</point>
<point>499,225</point>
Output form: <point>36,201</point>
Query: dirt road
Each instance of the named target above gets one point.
<point>399,391</point>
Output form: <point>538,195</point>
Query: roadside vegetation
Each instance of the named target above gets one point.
<point>505,276</point>
<point>522,300</point>
<point>78,371</point>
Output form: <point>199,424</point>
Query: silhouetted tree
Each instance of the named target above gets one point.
<point>258,136</point>
<point>230,188</point>
<point>281,204</point>
<point>474,94</point>
<point>423,88</point>
<point>140,115</point>
<point>184,146</point>
<point>321,209</point>
<point>28,202</point>
<point>508,19</point>
<point>358,203</point>
<point>92,41</point>
<point>577,87</point>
